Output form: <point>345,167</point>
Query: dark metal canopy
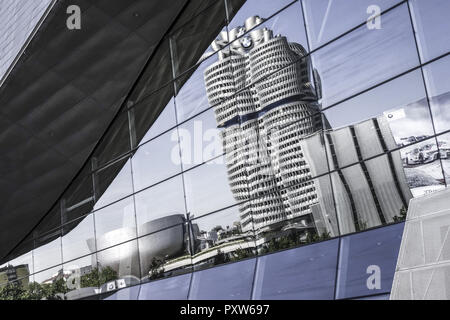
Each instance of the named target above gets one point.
<point>64,92</point>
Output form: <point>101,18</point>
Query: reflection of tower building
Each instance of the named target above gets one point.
<point>276,142</point>
<point>264,123</point>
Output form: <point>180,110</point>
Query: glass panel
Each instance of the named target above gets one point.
<point>175,288</point>
<point>325,17</point>
<point>200,140</point>
<point>16,271</point>
<point>270,46</point>
<point>165,253</point>
<point>47,252</point>
<point>49,284</point>
<point>113,183</point>
<point>230,282</point>
<point>115,224</point>
<point>221,237</point>
<point>156,160</point>
<point>432,26</point>
<point>208,188</point>
<point>436,78</point>
<point>367,262</point>
<point>81,278</point>
<point>119,267</point>
<point>78,238</point>
<point>366,57</point>
<point>303,273</point>
<point>19,289</point>
<point>163,200</point>
<point>385,118</point>
<point>146,113</point>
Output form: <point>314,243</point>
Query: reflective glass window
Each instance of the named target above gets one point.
<point>267,46</point>
<point>432,27</point>
<point>200,140</point>
<point>232,281</point>
<point>298,214</point>
<point>364,57</point>
<point>18,269</point>
<point>162,200</point>
<point>436,75</point>
<point>367,262</point>
<point>119,267</point>
<point>325,18</point>
<point>49,284</point>
<point>390,116</point>
<point>164,251</point>
<point>47,251</point>
<point>145,113</point>
<point>81,276</point>
<point>303,273</point>
<point>113,183</point>
<point>208,188</point>
<point>78,238</point>
<point>115,223</point>
<point>204,85</point>
<point>175,288</point>
<point>156,160</point>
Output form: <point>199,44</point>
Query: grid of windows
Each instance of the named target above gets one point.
<point>301,122</point>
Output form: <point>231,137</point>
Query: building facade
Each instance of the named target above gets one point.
<point>270,155</point>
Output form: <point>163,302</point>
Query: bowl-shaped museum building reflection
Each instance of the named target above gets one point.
<point>164,238</point>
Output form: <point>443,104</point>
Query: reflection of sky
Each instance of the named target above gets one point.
<point>436,76</point>
<point>366,57</point>
<point>192,97</point>
<point>328,19</point>
<point>432,25</point>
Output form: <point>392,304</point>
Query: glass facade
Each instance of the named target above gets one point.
<point>302,122</point>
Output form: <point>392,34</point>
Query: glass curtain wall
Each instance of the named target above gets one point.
<point>301,121</point>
